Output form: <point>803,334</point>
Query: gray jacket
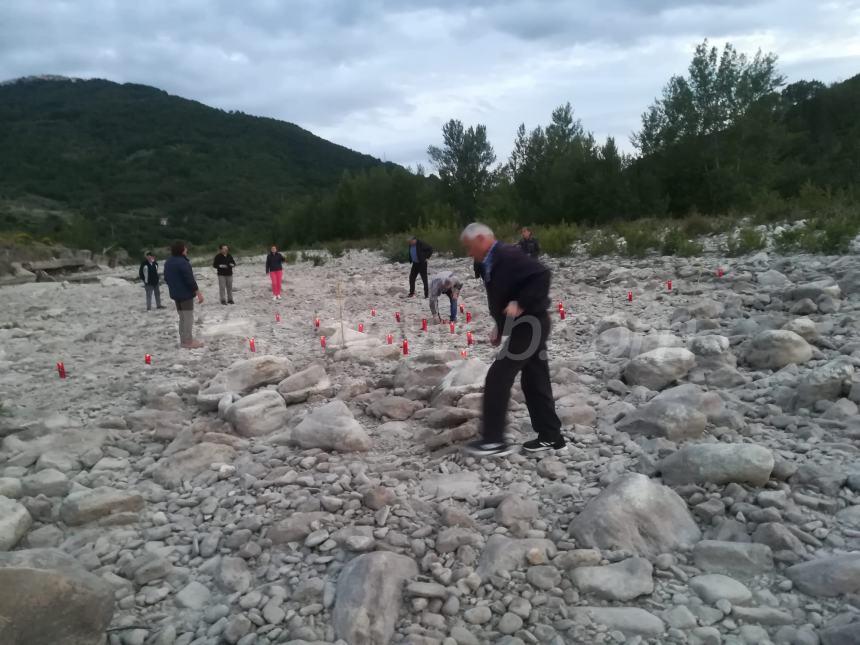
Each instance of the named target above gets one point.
<point>447,283</point>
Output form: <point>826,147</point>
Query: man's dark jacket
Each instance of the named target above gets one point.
<point>515,276</point>
<point>179,278</point>
<point>224,264</point>
<point>422,250</point>
<point>530,246</point>
<point>149,273</point>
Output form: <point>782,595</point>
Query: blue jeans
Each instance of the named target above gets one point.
<point>453,308</point>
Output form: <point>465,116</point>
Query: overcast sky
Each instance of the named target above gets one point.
<point>382,76</point>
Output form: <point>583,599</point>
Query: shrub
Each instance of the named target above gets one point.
<point>747,240</point>
<point>290,257</point>
<point>556,240</point>
<point>676,243</point>
<point>601,243</point>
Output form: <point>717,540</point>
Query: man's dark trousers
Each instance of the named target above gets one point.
<point>537,388</point>
<point>418,268</point>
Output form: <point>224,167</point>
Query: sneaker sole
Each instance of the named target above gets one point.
<point>496,453</point>
<point>544,449</point>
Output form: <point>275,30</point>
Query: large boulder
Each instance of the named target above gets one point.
<point>15,521</point>
<point>628,620</point>
<point>395,408</point>
<point>660,367</point>
<point>466,377</point>
<point>637,514</point>
<point>243,376</point>
<point>258,414</point>
<point>827,382</point>
<point>47,597</point>
<point>623,580</point>
<point>368,596</point>
<point>718,463</point>
<point>814,290</point>
<point>775,348</point>
<point>188,464</point>
<point>664,418</point>
<point>302,385</point>
<point>829,576</point>
<point>505,554</point>
<point>618,342</point>
<point>773,280</point>
<point>86,506</point>
<point>425,370</point>
<point>331,427</point>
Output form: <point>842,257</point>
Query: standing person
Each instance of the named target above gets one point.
<point>183,288</point>
<point>518,296</point>
<point>275,269</point>
<point>419,253</point>
<point>529,244</point>
<point>149,277</point>
<point>224,263</point>
<point>444,283</point>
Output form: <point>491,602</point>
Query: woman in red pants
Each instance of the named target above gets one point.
<point>275,269</point>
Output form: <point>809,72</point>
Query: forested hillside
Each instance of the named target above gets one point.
<point>126,156</point>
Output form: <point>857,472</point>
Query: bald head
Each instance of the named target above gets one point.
<point>477,239</point>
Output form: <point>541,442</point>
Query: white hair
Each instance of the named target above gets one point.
<point>476,229</point>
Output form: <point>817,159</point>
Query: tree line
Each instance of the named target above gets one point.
<point>729,136</point>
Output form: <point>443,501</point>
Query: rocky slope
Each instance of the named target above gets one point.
<point>709,493</point>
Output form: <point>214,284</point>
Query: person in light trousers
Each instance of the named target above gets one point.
<point>183,289</point>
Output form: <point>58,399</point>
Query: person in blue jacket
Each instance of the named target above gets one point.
<point>183,289</point>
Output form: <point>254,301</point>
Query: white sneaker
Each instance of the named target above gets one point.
<point>278,297</point>
<point>274,297</point>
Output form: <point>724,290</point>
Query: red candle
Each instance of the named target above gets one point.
<point>277,317</point>
<point>463,353</point>
<point>373,312</point>
<point>397,316</point>
<point>560,306</point>
<point>562,314</point>
<point>316,323</point>
<point>629,296</point>
<point>669,285</point>
<point>322,342</point>
<point>423,324</point>
<point>361,327</point>
<point>390,339</point>
<point>468,316</point>
<point>405,347</point>
<point>452,328</point>
<point>252,345</point>
<point>719,272</point>
<point>61,369</point>
<point>469,338</point>
<point>147,358</point>
<point>462,308</point>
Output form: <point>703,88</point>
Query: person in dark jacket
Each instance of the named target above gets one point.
<point>183,288</point>
<point>275,269</point>
<point>529,244</point>
<point>518,297</point>
<point>149,277</point>
<point>224,264</point>
<point>419,253</point>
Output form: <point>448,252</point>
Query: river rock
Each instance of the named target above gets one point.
<point>188,464</point>
<point>368,596</point>
<point>637,514</point>
<point>86,506</point>
<point>743,559</point>
<point>664,418</point>
<point>15,521</point>
<point>304,384</point>
<point>660,367</point>
<point>718,463</point>
<point>829,576</point>
<point>243,376</point>
<point>258,414</point>
<point>628,620</point>
<point>331,427</point>
<point>47,597</point>
<point>774,349</point>
<point>623,580</point>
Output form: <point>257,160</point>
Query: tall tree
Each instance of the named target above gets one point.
<point>463,163</point>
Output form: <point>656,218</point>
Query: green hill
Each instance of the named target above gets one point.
<point>83,158</point>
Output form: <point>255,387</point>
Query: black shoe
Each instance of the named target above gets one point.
<point>411,295</point>
<point>538,445</point>
<point>161,307</point>
<point>223,302</point>
<point>481,448</point>
<point>230,302</point>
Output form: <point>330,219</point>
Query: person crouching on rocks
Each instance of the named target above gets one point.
<point>183,288</point>
<point>448,284</point>
<point>275,269</point>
